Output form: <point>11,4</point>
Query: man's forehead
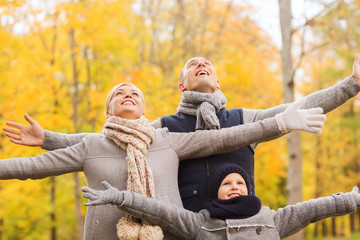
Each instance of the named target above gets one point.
<point>196,59</point>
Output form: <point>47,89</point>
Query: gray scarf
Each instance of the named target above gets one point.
<point>204,106</point>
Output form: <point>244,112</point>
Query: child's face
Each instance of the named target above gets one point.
<point>232,186</point>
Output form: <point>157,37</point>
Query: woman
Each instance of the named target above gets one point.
<point>128,136</point>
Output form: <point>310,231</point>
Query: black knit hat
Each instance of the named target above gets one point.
<point>220,172</point>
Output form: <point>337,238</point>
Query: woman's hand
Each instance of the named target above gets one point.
<point>28,135</point>
<point>296,119</point>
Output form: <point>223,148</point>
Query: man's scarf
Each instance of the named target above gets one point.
<point>204,106</point>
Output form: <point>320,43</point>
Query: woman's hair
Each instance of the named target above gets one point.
<point>111,95</point>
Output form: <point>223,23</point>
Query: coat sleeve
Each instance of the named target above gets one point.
<point>52,163</point>
<point>54,140</point>
<point>208,142</point>
<point>293,218</point>
<point>177,220</point>
<point>328,99</point>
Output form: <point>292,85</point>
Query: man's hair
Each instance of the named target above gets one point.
<point>183,70</point>
<point>111,95</point>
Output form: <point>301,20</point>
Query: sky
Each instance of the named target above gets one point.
<point>267,14</point>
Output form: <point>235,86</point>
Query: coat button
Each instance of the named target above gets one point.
<point>194,192</point>
<point>258,230</point>
<point>97,222</point>
<point>232,230</point>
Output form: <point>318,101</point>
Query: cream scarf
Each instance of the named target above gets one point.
<point>135,136</point>
<point>204,106</point>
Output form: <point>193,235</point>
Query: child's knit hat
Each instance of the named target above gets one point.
<point>218,174</point>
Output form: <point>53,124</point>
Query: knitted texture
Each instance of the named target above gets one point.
<point>235,208</point>
<point>135,137</point>
<point>218,174</point>
<point>204,106</point>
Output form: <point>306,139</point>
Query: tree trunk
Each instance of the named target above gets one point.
<point>52,214</point>
<point>1,221</point>
<point>316,231</point>
<point>294,184</point>
<point>333,226</point>
<point>352,222</point>
<point>324,228</point>
<point>79,217</point>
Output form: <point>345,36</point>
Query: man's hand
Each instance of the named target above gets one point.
<point>28,135</point>
<point>356,69</point>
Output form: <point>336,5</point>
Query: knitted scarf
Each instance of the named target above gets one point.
<point>234,208</point>
<point>204,106</point>
<point>135,136</point>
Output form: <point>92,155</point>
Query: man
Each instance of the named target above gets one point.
<point>202,106</point>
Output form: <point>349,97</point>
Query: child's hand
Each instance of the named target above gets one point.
<point>98,197</point>
<point>355,190</point>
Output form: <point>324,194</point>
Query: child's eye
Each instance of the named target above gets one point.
<point>136,94</point>
<point>118,93</point>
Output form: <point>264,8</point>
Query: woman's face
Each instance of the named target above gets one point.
<point>126,103</point>
<point>232,186</point>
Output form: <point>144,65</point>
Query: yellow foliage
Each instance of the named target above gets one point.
<point>73,53</point>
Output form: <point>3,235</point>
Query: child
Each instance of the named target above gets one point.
<point>229,213</point>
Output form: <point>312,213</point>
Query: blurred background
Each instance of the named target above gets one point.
<point>59,59</point>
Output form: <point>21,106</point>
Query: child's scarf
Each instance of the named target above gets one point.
<point>234,208</point>
<point>135,136</point>
<point>204,106</point>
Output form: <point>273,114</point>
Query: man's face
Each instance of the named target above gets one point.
<point>126,103</point>
<point>200,76</point>
<point>232,186</point>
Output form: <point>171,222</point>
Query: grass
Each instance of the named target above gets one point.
<point>355,236</point>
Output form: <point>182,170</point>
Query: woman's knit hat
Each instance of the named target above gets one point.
<point>218,174</point>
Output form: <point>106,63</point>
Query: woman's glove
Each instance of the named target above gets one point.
<point>98,197</point>
<point>296,119</point>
